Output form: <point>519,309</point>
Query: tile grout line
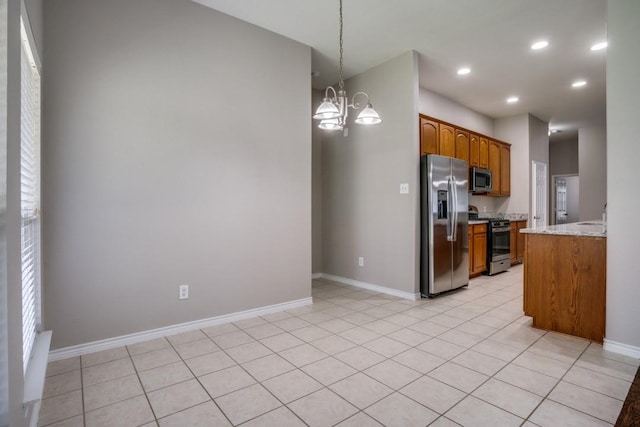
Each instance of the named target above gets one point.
<point>146,396</point>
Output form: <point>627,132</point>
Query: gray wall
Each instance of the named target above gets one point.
<point>592,158</point>
<point>440,107</point>
<point>563,157</point>
<point>176,150</point>
<point>363,212</point>
<point>515,131</point>
<point>539,152</point>
<point>623,152</point>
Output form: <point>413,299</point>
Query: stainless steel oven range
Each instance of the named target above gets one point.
<point>498,246</point>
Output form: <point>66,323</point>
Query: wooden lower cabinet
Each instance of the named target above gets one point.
<point>516,242</point>
<point>477,249</point>
<point>565,284</point>
<point>513,243</point>
<point>520,240</point>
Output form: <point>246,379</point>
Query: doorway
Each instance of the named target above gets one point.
<point>539,194</point>
<point>565,200</point>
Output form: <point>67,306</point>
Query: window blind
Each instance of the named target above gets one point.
<point>4,357</point>
<point>30,197</point>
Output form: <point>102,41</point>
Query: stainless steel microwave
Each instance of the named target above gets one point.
<point>480,180</point>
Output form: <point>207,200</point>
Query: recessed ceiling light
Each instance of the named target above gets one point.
<point>463,71</point>
<point>578,83</point>
<point>540,45</point>
<point>599,46</point>
<point>512,99</point>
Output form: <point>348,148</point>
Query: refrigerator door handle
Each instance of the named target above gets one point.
<point>450,210</point>
<point>454,223</point>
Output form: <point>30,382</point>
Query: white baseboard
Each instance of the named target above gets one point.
<point>316,276</point>
<point>91,347</point>
<point>371,287</point>
<point>620,348</point>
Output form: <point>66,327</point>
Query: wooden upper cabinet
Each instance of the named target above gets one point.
<point>474,150</point>
<point>494,166</point>
<point>437,137</point>
<point>483,152</point>
<point>447,141</point>
<point>462,145</point>
<point>505,170</point>
<point>428,136</point>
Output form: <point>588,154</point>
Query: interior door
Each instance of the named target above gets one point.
<point>539,194</point>
<point>573,198</point>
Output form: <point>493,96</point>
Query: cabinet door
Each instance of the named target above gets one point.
<point>494,166</point>
<point>474,150</point>
<point>505,170</point>
<point>513,242</point>
<point>428,136</point>
<point>471,249</point>
<point>483,153</point>
<point>479,252</point>
<point>447,145</point>
<point>520,240</point>
<point>462,145</point>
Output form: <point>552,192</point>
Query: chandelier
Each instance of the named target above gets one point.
<point>333,111</point>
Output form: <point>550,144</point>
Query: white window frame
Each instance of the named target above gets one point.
<point>30,194</point>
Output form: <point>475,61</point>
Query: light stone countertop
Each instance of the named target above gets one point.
<point>595,228</point>
<point>478,221</point>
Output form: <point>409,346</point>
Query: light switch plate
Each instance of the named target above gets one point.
<point>404,188</point>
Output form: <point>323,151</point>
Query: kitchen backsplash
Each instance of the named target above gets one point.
<point>509,216</point>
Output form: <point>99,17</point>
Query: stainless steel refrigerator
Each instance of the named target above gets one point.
<point>444,222</point>
<point>567,199</point>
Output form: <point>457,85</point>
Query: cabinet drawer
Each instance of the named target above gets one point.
<point>480,228</point>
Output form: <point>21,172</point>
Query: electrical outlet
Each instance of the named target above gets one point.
<point>183,292</point>
<point>361,261</point>
<point>404,188</point>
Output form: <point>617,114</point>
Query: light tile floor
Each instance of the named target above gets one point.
<point>353,358</point>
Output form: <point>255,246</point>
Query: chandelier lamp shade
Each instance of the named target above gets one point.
<point>334,109</point>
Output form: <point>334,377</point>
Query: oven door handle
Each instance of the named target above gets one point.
<point>501,229</point>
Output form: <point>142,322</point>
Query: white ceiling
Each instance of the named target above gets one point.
<point>492,37</point>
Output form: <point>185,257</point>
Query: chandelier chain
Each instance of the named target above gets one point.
<point>341,82</point>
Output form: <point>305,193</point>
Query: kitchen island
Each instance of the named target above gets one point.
<point>565,278</point>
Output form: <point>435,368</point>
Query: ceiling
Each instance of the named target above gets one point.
<point>492,37</point>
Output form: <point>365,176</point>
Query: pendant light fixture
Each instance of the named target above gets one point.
<point>333,111</point>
